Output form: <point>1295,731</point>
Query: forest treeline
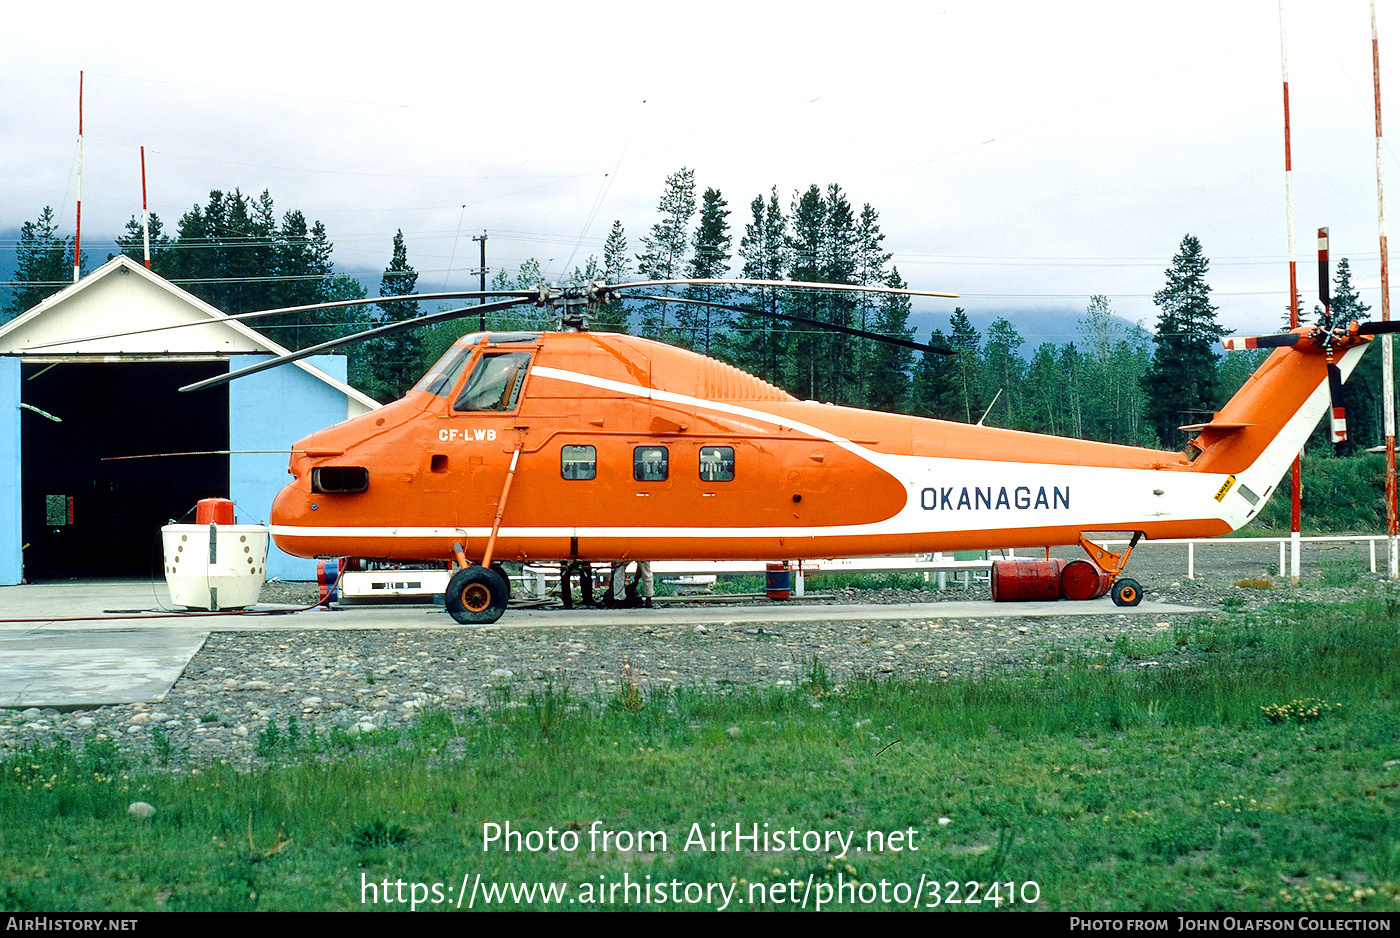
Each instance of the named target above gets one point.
<point>1115,382</point>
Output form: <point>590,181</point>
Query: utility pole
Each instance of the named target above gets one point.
<point>1295,541</point>
<point>481,273</point>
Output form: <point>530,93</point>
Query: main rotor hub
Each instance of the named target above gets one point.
<point>573,302</point>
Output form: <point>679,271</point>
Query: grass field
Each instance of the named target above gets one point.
<point>1262,775</point>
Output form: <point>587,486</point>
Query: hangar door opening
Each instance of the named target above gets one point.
<point>85,516</point>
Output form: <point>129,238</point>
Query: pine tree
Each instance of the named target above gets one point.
<point>936,383</point>
<point>709,262</point>
<point>615,268</point>
<point>806,255</point>
<point>394,362</point>
<point>234,254</point>
<point>871,263</point>
<point>1071,366</point>
<point>612,317</point>
<point>190,258</point>
<point>1181,385</point>
<point>757,340</point>
<point>1003,372</point>
<point>841,384</point>
<point>888,382</point>
<point>967,342</point>
<point>1044,410</point>
<point>664,257</point>
<point>299,281</point>
<point>1114,359</point>
<point>243,260</point>
<point>43,263</point>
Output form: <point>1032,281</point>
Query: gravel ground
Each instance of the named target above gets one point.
<point>361,681</point>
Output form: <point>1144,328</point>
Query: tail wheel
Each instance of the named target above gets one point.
<point>477,596</point>
<point>1127,593</point>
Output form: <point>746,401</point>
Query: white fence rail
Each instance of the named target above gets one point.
<point>965,572</point>
<point>1283,545</point>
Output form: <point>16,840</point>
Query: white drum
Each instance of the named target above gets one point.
<point>215,566</point>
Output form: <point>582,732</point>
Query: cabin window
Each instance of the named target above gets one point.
<point>717,463</point>
<point>578,462</point>
<point>340,480</point>
<point>444,374</point>
<point>651,463</point>
<point>495,382</point>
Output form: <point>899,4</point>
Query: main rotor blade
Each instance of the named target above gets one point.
<point>1379,327</point>
<point>847,330</point>
<point>848,287</point>
<point>333,304</point>
<point>376,332</point>
<point>1280,340</point>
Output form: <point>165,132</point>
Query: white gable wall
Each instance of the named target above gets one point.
<point>123,301</point>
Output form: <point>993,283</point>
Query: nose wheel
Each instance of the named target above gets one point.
<point>477,595</point>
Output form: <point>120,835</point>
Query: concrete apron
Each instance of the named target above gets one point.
<point>108,659</point>
<point>92,668</point>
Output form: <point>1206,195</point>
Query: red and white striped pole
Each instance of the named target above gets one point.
<point>1295,541</point>
<point>78,235</point>
<point>1387,354</point>
<point>145,215</point>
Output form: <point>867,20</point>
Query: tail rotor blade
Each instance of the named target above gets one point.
<point>1240,343</point>
<point>1380,327</point>
<point>1339,411</point>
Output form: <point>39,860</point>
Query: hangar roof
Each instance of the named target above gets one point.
<point>123,296</point>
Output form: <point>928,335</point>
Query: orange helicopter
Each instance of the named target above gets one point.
<point>622,448</point>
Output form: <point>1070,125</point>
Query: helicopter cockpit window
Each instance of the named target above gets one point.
<point>578,462</point>
<point>717,463</point>
<point>444,374</point>
<point>495,382</point>
<point>650,463</point>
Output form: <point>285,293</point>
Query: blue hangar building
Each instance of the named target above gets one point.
<point>68,506</point>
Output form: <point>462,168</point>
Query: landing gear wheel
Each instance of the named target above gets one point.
<point>476,596</point>
<point>1126,593</point>
<point>505,577</point>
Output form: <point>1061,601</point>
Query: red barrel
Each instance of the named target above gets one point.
<point>779,581</point>
<point>1021,581</point>
<point>1082,579</point>
<point>213,511</point>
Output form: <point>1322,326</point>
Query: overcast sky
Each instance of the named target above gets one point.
<point>1023,155</point>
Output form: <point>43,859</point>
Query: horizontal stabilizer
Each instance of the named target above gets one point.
<point>1223,427</point>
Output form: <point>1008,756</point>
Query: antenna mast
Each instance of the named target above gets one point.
<point>78,235</point>
<point>145,215</point>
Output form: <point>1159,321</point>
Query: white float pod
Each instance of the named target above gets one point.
<point>215,566</point>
